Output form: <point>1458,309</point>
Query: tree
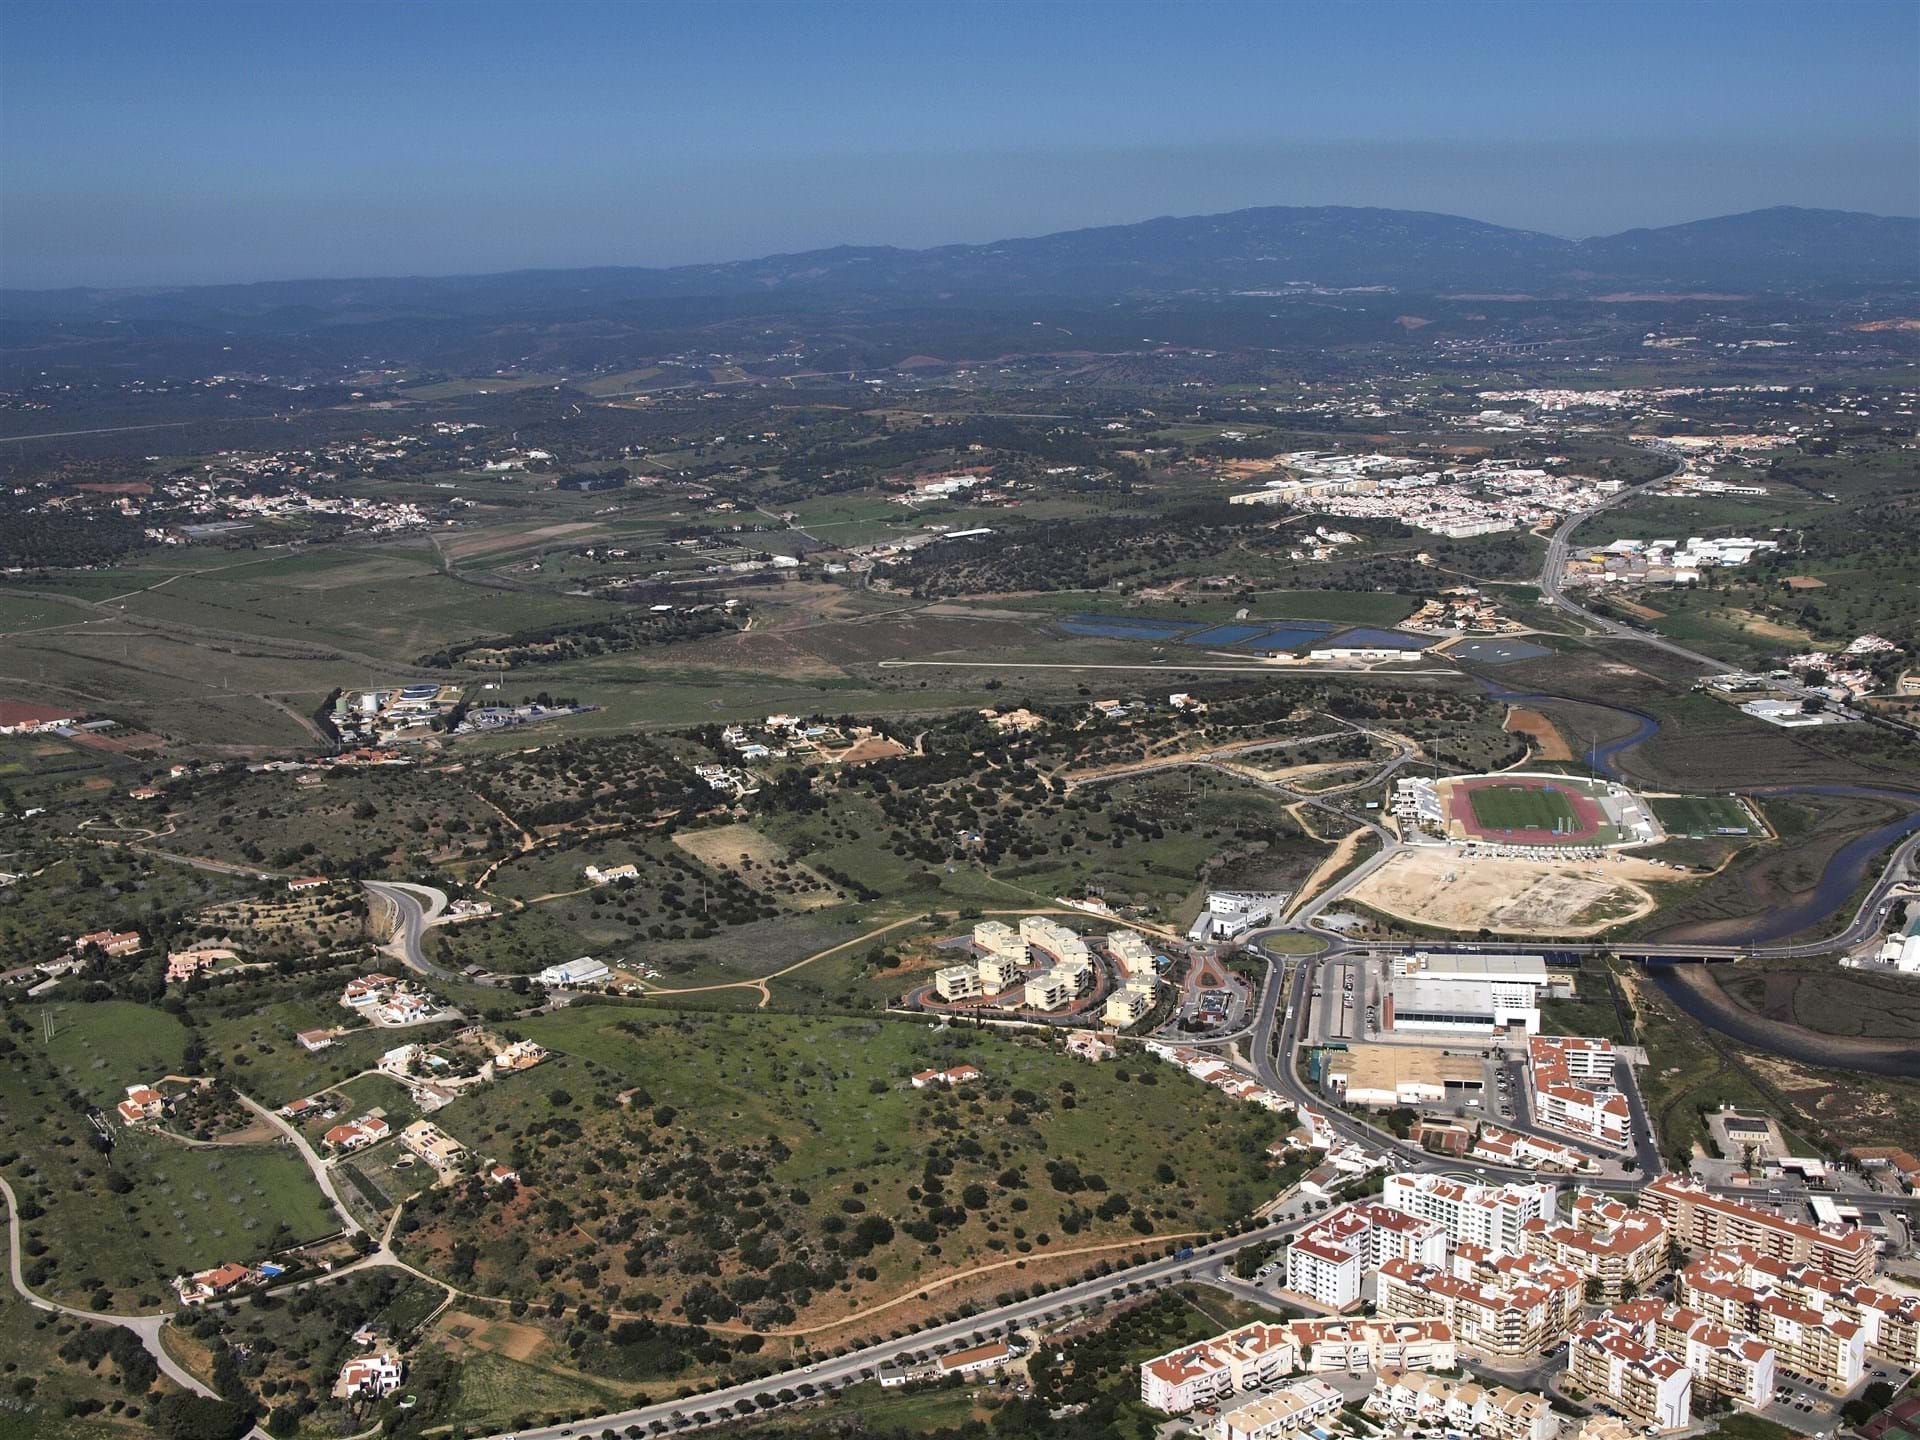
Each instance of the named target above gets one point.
<point>192,1417</point>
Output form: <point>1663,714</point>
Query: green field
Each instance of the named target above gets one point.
<point>809,1126</point>
<point>113,1230</point>
<point>1697,816</point>
<point>101,1049</point>
<point>1522,807</point>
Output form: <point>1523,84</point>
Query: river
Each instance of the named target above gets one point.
<point>1693,989</point>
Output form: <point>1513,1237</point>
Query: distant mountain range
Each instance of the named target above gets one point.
<point>1780,249</point>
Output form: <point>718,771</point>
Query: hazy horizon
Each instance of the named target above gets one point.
<point>217,143</point>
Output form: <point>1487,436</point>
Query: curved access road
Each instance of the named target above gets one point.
<point>414,908</point>
<point>147,1327</point>
<point>322,1176</point>
<point>1553,577</point>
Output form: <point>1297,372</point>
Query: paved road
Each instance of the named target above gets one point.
<point>414,907</point>
<point>147,1327</point>
<point>322,1176</point>
<point>851,1368</point>
<point>1553,578</point>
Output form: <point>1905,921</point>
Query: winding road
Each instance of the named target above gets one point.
<point>147,1327</point>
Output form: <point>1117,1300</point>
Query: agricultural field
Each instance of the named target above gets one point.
<point>788,1158</point>
<point>187,1208</point>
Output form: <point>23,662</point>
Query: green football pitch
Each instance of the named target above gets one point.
<point>1522,807</point>
<point>1703,815</point>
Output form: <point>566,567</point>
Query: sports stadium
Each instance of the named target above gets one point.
<point>1521,809</point>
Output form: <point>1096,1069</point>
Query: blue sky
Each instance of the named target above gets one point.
<point>204,142</point>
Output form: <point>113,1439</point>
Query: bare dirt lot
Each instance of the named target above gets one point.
<point>1435,886</point>
<point>491,1333</point>
<point>1547,742</point>
<point>760,861</point>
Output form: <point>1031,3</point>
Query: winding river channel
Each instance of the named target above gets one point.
<point>1847,867</point>
<point>1692,988</point>
<point>1694,991</point>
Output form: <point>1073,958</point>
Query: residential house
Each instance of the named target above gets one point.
<point>368,1377</point>
<point>143,1103</point>
<point>211,1284</point>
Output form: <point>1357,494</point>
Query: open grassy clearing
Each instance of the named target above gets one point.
<point>396,606</point>
<point>99,1049</point>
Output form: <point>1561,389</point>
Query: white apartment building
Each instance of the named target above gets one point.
<point>998,972</point>
<point>1327,1262</point>
<point>1572,1084</point>
<point>1129,1004</point>
<point>1131,953</point>
<point>1060,943</point>
<point>957,982</point>
<point>996,938</point>
<point>1353,1347</point>
<point>1493,1217</point>
<point>1050,990</point>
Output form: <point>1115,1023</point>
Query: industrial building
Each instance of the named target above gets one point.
<point>1476,995</point>
<point>1382,1076</point>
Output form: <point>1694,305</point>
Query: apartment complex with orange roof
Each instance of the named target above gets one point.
<point>1611,1358</point>
<point>1572,1080</point>
<point>1409,1398</point>
<point>1622,1250</point>
<point>1262,1353</point>
<point>1700,1220</point>
<point>1507,1307</point>
<point>1821,1328</point>
<point>1327,1262</point>
<point>1723,1360</point>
